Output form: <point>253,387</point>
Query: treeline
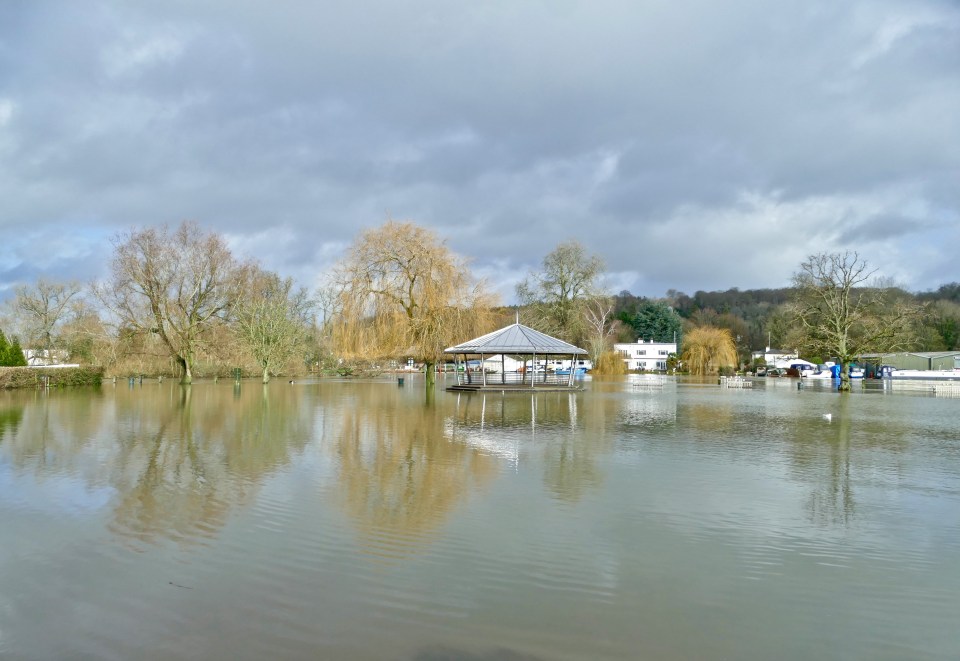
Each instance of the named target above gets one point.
<point>177,302</point>
<point>758,318</point>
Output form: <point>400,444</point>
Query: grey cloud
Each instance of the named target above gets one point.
<point>490,122</point>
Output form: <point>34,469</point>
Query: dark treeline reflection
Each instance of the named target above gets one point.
<point>178,459</point>
<point>10,417</point>
<point>46,433</point>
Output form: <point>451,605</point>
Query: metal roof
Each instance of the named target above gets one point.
<point>516,338</point>
<point>921,354</point>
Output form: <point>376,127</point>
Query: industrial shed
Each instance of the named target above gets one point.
<point>916,360</point>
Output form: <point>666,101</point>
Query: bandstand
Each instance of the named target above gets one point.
<point>515,342</point>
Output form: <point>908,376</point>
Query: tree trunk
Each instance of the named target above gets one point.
<point>430,372</point>
<point>186,374</point>
<point>266,374</point>
<point>844,376</point>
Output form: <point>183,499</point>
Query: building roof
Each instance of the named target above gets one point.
<point>516,339</point>
<point>922,354</point>
<point>642,343</point>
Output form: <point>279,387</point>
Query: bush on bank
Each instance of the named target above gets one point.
<point>33,377</point>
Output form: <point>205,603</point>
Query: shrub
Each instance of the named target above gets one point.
<point>32,377</point>
<point>609,362</point>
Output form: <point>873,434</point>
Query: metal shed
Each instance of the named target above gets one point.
<point>917,360</point>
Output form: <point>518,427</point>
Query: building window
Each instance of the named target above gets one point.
<point>641,352</point>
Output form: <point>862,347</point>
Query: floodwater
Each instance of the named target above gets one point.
<point>638,519</point>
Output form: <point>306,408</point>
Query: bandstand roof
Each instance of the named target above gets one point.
<point>516,339</point>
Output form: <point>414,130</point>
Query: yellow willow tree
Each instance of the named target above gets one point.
<point>609,363</point>
<point>402,293</point>
<point>706,349</point>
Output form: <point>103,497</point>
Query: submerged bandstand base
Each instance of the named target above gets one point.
<point>511,387</point>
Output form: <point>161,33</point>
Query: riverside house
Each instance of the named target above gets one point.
<point>646,356</point>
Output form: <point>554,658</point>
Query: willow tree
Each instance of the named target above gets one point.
<point>271,319</point>
<point>401,292</point>
<point>609,363</point>
<point>176,284</point>
<point>842,311</point>
<point>706,349</point>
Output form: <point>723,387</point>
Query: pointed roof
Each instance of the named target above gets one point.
<point>516,338</point>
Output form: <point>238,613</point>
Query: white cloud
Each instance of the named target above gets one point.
<point>897,27</point>
<point>135,53</point>
<point>6,111</point>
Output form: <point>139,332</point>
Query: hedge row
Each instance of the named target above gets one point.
<point>33,377</point>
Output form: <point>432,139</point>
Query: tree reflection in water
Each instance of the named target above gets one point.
<point>10,417</point>
<point>399,474</point>
<point>836,455</point>
<point>183,468</point>
<point>175,464</point>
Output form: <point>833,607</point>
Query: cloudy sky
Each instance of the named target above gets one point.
<point>693,145</point>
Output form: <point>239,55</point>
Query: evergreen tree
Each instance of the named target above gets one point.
<point>4,349</point>
<point>15,356</point>
<point>657,321</point>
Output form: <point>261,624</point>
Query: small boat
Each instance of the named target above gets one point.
<point>565,371</point>
<point>856,372</point>
<point>823,371</point>
<point>801,369</point>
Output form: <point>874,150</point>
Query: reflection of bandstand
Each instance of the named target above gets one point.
<point>515,340</point>
<point>496,424</point>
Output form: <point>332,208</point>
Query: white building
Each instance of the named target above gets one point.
<point>775,357</point>
<point>42,357</point>
<point>649,356</point>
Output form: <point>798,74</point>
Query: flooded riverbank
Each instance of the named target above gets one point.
<point>353,520</point>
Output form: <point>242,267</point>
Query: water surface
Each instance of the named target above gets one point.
<point>356,520</point>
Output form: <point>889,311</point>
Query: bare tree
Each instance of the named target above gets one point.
<point>42,309</point>
<point>271,319</point>
<point>402,292</point>
<point>557,293</point>
<point>840,313</point>
<point>177,284</point>
<point>598,315</point>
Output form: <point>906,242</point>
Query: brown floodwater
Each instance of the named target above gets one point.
<point>637,519</point>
